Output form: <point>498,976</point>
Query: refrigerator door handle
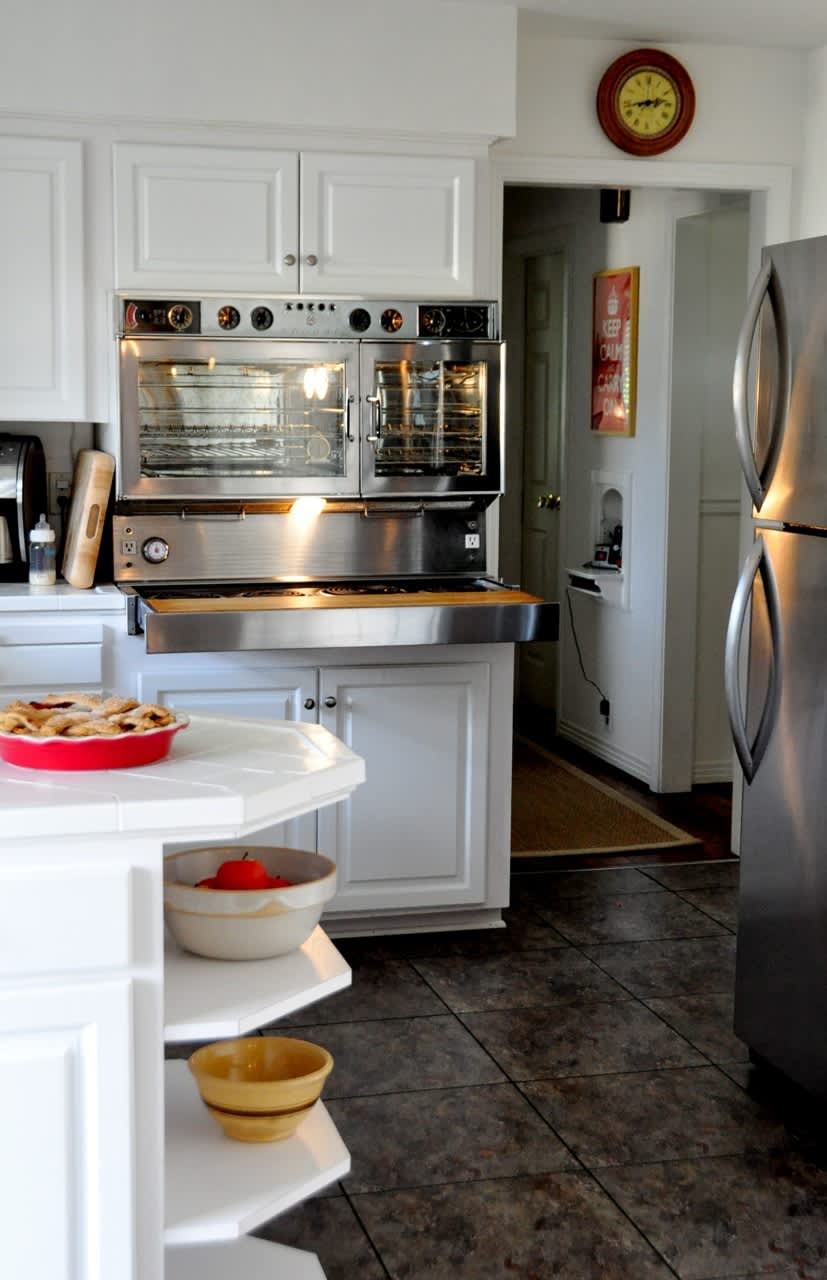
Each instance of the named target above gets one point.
<point>758,563</point>
<point>758,482</point>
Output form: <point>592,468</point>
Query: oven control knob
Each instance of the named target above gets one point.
<point>432,321</point>
<point>228,317</point>
<point>359,319</point>
<point>391,320</point>
<point>179,317</point>
<point>261,317</point>
<point>155,550</point>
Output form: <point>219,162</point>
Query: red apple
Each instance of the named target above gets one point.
<point>279,882</point>
<point>242,873</point>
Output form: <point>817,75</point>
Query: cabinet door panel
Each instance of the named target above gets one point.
<point>42,320</point>
<point>394,224</point>
<point>258,694</point>
<point>205,217</point>
<point>66,1075</point>
<point>414,835</point>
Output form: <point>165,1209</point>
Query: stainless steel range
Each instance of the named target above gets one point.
<point>287,480</point>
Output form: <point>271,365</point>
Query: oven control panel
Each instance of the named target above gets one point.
<point>237,317</point>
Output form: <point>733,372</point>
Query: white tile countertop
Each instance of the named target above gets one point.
<point>223,778</point>
<point>20,597</point>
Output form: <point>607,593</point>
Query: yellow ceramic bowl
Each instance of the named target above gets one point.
<point>261,1074</point>
<point>259,1128</point>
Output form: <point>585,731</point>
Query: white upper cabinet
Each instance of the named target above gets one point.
<point>206,218</point>
<point>398,225</point>
<point>243,220</point>
<point>43,316</point>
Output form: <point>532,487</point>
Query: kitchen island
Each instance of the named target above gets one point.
<point>98,1182</point>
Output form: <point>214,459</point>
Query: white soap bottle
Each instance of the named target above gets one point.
<point>42,554</point>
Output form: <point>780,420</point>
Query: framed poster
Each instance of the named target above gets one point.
<point>614,351</point>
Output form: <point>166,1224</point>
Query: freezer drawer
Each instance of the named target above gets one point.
<point>781,975</point>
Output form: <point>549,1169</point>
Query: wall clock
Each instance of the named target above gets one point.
<point>645,102</point>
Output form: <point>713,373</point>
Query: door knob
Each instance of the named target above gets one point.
<point>330,702</point>
<point>309,704</point>
<point>549,501</point>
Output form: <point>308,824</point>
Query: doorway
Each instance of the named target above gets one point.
<point>553,242</point>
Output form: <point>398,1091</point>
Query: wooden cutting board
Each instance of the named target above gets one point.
<point>91,483</point>
<point>255,604</point>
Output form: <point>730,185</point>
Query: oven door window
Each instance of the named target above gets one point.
<point>429,418</point>
<point>213,417</point>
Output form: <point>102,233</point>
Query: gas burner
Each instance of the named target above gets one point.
<point>364,589</point>
<point>269,591</point>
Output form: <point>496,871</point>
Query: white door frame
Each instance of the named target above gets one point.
<point>770,186</point>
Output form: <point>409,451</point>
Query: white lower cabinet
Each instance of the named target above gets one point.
<point>415,834</point>
<point>281,694</point>
<point>66,1076</point>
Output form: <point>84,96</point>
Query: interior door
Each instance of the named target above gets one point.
<point>543,403</point>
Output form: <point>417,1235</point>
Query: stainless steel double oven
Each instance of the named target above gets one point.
<point>271,399</point>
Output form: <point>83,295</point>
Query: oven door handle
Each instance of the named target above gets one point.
<point>348,430</point>
<point>376,401</point>
<point>186,514</point>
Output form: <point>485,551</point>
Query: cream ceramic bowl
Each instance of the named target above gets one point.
<point>245,924</point>
<point>274,1127</point>
<point>261,1075</point>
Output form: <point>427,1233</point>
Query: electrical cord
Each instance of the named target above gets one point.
<point>577,647</point>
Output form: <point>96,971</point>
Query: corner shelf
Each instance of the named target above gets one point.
<point>217,1189</point>
<point>252,1259</point>
<point>218,999</point>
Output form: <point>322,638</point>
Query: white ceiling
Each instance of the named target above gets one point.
<point>791,24</point>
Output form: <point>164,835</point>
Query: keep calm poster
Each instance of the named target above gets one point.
<point>614,351</point>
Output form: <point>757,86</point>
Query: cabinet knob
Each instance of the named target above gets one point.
<point>330,702</point>
<point>311,259</point>
<point>290,259</point>
<point>309,704</point>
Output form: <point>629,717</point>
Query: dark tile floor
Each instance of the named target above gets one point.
<point>564,1100</point>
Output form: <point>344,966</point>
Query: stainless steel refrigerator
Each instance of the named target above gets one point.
<point>780,727</point>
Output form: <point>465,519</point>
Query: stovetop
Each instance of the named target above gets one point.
<point>408,586</point>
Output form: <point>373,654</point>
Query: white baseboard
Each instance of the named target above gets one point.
<point>604,750</point>
<point>712,771</point>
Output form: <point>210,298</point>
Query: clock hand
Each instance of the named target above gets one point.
<point>649,102</point>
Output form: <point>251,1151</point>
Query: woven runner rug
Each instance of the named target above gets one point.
<point>558,809</point>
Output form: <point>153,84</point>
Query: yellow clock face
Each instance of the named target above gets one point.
<point>647,103</point>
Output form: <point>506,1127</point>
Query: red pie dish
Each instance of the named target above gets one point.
<point>113,751</point>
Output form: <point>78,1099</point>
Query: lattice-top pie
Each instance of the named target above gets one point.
<point>82,715</point>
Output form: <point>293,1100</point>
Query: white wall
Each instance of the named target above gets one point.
<point>379,65</point>
<point>705,487</point>
<point>749,101</point>
<point>813,187</point>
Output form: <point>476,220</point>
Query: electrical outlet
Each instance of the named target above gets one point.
<point>60,485</point>
<point>472,541</point>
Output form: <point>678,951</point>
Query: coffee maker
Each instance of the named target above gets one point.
<point>23,496</point>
